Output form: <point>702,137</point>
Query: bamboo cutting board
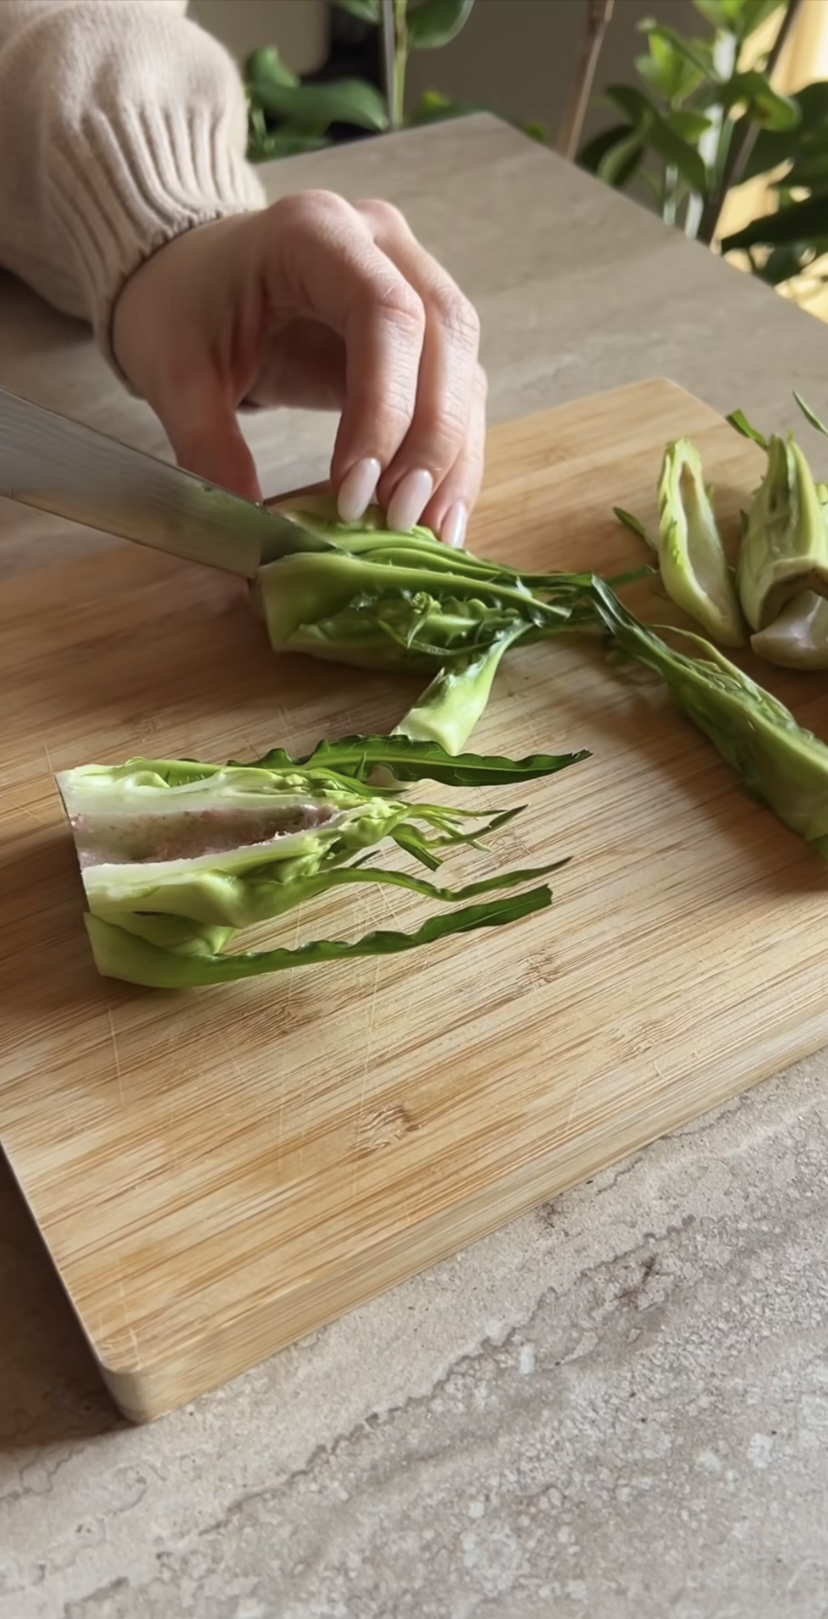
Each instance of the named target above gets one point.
<point>216,1173</point>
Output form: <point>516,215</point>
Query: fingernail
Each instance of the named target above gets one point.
<point>409,500</point>
<point>358,489</point>
<point>455,523</point>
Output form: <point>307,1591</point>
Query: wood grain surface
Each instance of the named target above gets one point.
<point>216,1173</point>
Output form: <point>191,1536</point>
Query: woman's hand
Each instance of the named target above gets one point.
<point>320,305</point>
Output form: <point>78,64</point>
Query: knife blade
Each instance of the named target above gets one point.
<point>73,471</point>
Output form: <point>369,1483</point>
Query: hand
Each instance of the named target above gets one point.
<point>316,304</point>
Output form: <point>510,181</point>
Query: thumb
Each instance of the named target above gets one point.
<point>212,446</point>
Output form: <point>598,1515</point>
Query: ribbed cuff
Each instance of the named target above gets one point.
<point>120,193</point>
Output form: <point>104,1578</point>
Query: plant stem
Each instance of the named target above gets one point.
<point>598,17</point>
<point>744,138</point>
<point>395,39</point>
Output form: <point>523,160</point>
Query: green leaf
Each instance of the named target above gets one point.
<point>433,108</point>
<point>409,760</point>
<point>696,52</point>
<point>275,143</point>
<point>802,220</point>
<point>621,163</point>
<point>689,124</point>
<point>365,10</point>
<point>767,106</point>
<point>666,69</point>
<point>810,415</point>
<point>772,148</point>
<point>785,262</point>
<point>810,170</point>
<point>122,955</point>
<point>265,66</point>
<point>437,22</point>
<point>632,523</point>
<point>660,135</point>
<point>350,101</point>
<point>595,149</point>
<point>738,419</point>
<point>739,17</point>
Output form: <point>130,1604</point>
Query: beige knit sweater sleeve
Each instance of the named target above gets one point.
<point>122,123</point>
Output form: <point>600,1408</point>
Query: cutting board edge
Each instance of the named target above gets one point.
<point>144,1390</point>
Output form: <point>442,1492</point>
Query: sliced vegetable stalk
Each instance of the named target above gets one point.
<point>785,543</point>
<point>692,563</point>
<point>691,555</point>
<point>452,705</point>
<point>780,763</point>
<point>798,636</point>
<point>177,855</point>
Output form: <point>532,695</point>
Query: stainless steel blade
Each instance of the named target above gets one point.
<point>62,467</point>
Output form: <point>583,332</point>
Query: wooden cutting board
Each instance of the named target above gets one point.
<point>216,1173</point>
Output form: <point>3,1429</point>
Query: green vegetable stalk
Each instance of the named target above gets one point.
<point>692,562</point>
<point>785,544</point>
<point>177,856</point>
<point>780,763</point>
<point>691,555</point>
<point>378,599</point>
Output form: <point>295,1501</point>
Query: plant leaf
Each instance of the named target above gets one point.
<point>810,415</point>
<point>666,69</point>
<point>739,17</point>
<point>349,101</point>
<point>433,107</point>
<point>437,22</point>
<point>632,523</point>
<point>365,10</point>
<point>408,760</point>
<point>620,138</point>
<point>265,66</point>
<point>660,135</point>
<point>621,163</point>
<point>800,220</point>
<point>767,106</point>
<point>773,148</point>
<point>695,51</point>
<point>738,419</point>
<point>119,954</point>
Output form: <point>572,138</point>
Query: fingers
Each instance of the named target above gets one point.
<point>412,427</point>
<point>447,405</point>
<point>206,440</point>
<point>450,507</point>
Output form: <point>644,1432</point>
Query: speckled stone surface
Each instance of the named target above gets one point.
<point>617,1406</point>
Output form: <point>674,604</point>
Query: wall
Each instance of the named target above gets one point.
<point>514,57</point>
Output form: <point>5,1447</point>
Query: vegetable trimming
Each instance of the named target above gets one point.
<point>178,856</point>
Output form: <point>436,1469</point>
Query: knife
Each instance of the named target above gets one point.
<point>60,466</point>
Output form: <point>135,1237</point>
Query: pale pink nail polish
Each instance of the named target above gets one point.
<point>358,489</point>
<point>409,500</point>
<point>455,523</point>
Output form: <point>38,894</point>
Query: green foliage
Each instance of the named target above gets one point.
<point>704,121</point>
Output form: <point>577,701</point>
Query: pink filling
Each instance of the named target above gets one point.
<point>139,838</point>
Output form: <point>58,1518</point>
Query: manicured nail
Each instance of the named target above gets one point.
<point>409,500</point>
<point>455,523</point>
<point>358,489</point>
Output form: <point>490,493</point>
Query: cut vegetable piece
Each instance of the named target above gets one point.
<point>177,855</point>
<point>452,705</point>
<point>785,546</point>
<point>798,636</point>
<point>780,763</point>
<point>119,954</point>
<point>691,555</point>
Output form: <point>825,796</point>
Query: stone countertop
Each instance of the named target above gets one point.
<point>616,1406</point>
